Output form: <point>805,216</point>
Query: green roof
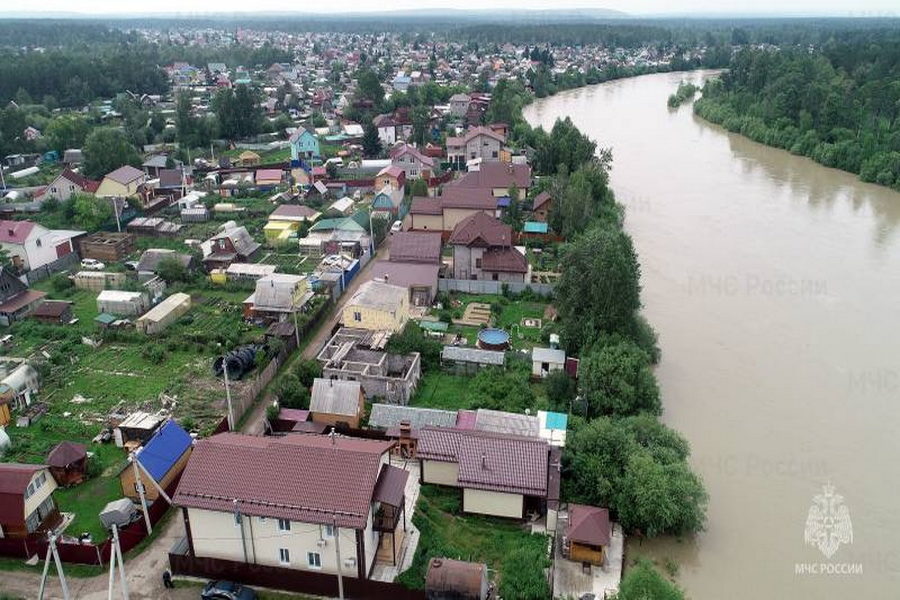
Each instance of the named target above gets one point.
<point>106,318</point>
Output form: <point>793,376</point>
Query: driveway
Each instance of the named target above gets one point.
<point>254,424</point>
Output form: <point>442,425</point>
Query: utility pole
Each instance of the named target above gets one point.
<point>116,211</point>
<point>140,488</point>
<point>51,551</point>
<point>115,557</point>
<point>337,552</point>
<point>228,396</point>
<point>296,330</point>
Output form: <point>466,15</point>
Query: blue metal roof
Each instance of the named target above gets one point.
<point>503,202</point>
<point>534,227</point>
<point>164,449</point>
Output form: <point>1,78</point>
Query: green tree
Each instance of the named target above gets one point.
<point>238,112</point>
<point>67,131</point>
<point>560,390</point>
<point>616,379</point>
<point>105,150</point>
<point>371,143</point>
<point>643,582</point>
<point>172,270</point>
<point>91,213</point>
<point>420,117</point>
<point>368,86</point>
<point>599,287</point>
<point>418,188</point>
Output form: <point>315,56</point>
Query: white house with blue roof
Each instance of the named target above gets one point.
<point>163,456</point>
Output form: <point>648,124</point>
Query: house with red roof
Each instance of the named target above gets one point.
<point>483,249</point>
<point>16,300</point>
<point>452,207</point>
<point>67,184</point>
<point>286,501</point>
<point>27,507</point>
<point>413,163</point>
<point>497,177</point>
<point>477,142</point>
<point>31,245</point>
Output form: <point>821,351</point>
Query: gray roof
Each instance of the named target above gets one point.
<point>335,397</point>
<point>151,258</point>
<point>498,421</point>
<point>378,296</point>
<point>548,355</point>
<point>242,240</point>
<point>473,355</point>
<point>385,416</point>
<point>276,291</point>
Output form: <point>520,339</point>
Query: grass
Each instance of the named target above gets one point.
<point>507,314</point>
<point>446,532</point>
<point>442,390</point>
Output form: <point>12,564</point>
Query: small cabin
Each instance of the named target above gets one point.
<point>587,534</point>
<point>68,463</point>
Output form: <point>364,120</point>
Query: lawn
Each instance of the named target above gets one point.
<point>447,533</point>
<point>442,390</point>
<point>507,314</point>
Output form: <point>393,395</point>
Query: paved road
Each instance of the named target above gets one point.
<point>254,424</point>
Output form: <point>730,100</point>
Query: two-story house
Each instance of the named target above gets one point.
<point>234,244</point>
<point>304,145</point>
<point>277,297</point>
<point>478,142</point>
<point>31,245</point>
<point>482,249</point>
<point>16,300</point>
<point>452,207</point>
<point>124,182</point>
<point>286,502</point>
<point>26,500</point>
<point>459,105</point>
<point>414,163</point>
<point>67,184</point>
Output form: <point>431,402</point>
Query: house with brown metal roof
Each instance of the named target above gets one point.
<point>477,143</point>
<point>67,184</point>
<point>499,474</point>
<point>27,507</point>
<point>450,208</point>
<point>541,207</point>
<point>124,182</point>
<point>587,534</point>
<point>286,501</point>
<point>482,249</point>
<point>497,177</point>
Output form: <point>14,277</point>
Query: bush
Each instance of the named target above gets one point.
<point>60,283</point>
<point>523,575</point>
<point>153,353</point>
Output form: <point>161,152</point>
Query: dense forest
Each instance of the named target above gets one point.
<point>838,104</point>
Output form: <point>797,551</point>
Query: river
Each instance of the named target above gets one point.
<point>773,284</point>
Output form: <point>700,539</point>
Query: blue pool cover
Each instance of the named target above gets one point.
<point>557,420</point>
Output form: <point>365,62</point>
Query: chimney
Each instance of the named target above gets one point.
<point>484,461</point>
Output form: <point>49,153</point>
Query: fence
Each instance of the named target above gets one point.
<point>473,286</point>
<point>304,582</point>
<point>90,554</point>
<point>60,264</point>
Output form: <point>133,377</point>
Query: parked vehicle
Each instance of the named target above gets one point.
<point>92,264</point>
<point>226,590</point>
<point>131,265</point>
<point>397,226</point>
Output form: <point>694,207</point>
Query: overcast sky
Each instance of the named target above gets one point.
<point>635,7</point>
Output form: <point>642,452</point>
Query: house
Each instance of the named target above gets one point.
<point>277,296</point>
<point>387,129</point>
<point>477,143</point>
<point>392,176</point>
<point>386,203</point>
<point>418,278</point>
<point>284,222</point>
<point>164,456</point>
<point>413,163</point>
<point>342,206</point>
<point>32,133</point>
<point>163,314</point>
<point>31,245</point>
<point>358,355</point>
<point>459,105</point>
<point>151,258</point>
<point>67,184</point>
<point>67,462</point>
<point>283,501</point>
<point>232,244</point>
<point>377,306</point>
<point>587,535</point>
<point>54,312</point>
<point>16,300</point>
<point>331,236</point>
<point>106,246</point>
<point>482,249</point>
<point>500,475</point>
<point>124,182</point>
<point>248,158</point>
<point>453,206</point>
<point>541,207</point>
<point>27,507</point>
<point>416,247</point>
<point>304,145</point>
<point>449,579</point>
<point>497,177</point>
<point>546,360</point>
<point>154,164</point>
<point>268,178</point>
<point>335,401</point>
<point>118,302</point>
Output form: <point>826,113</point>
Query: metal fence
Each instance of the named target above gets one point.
<point>474,286</point>
<point>60,264</point>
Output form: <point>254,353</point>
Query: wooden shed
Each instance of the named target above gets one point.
<point>587,534</point>
<point>449,579</point>
<point>53,311</point>
<point>67,462</point>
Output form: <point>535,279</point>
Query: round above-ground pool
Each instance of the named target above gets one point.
<point>493,339</point>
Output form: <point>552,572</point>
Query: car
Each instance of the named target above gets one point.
<point>131,265</point>
<point>92,264</point>
<point>397,226</point>
<point>226,590</point>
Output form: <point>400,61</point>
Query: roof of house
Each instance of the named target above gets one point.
<point>488,461</point>
<point>88,185</point>
<point>293,211</point>
<point>500,421</point>
<point>125,175</point>
<point>406,274</point>
<point>391,486</point>
<point>425,206</point>
<point>378,295</point>
<point>459,578</point>
<point>15,232</point>
<point>14,479</point>
<point>276,291</point>
<point>52,308</point>
<point>243,242</point>
<point>416,246</point>
<point>157,161</point>
<point>170,178</point>
<point>335,397</point>
<point>494,175</point>
<point>480,229</point>
<point>386,416</point>
<point>304,478</point>
<point>66,453</point>
<point>268,175</point>
<point>473,355</point>
<point>163,450</point>
<point>391,171</point>
<point>476,198</point>
<point>338,223</point>
<point>21,300</point>
<point>588,525</point>
<point>549,355</point>
<point>506,260</point>
<point>541,199</point>
<point>151,258</point>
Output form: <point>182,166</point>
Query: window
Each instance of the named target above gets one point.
<point>284,556</point>
<point>314,560</point>
<point>357,316</point>
<point>284,525</point>
<point>328,531</point>
<point>494,277</point>
<point>38,242</point>
<point>494,154</point>
<point>477,263</point>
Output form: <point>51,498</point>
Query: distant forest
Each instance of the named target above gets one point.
<point>838,104</point>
